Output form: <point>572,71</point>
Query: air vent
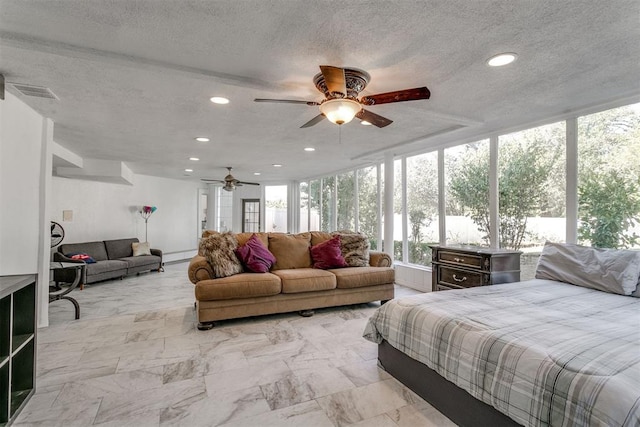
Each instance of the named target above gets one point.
<point>37,91</point>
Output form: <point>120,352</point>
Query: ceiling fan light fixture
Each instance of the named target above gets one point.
<point>340,110</point>
<point>501,59</point>
<point>219,100</point>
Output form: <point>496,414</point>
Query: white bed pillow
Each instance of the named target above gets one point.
<point>609,270</point>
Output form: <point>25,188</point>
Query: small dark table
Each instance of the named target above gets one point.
<point>57,292</point>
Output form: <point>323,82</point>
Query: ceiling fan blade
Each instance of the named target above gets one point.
<point>373,118</point>
<point>247,183</point>
<point>212,180</point>
<point>397,96</point>
<point>286,101</point>
<point>317,119</point>
<point>334,79</point>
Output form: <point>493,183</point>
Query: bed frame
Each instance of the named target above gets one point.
<point>454,402</point>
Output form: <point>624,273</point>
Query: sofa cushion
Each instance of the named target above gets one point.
<point>255,256</point>
<point>244,285</point>
<point>328,254</point>
<point>219,250</point>
<point>290,250</point>
<point>358,277</point>
<point>305,280</point>
<point>355,249</point>
<point>243,238</point>
<point>96,250</point>
<point>319,237</point>
<point>106,266</point>
<point>120,248</point>
<point>142,260</point>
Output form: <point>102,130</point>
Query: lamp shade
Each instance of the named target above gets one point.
<point>341,110</point>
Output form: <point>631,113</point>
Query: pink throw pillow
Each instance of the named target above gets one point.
<point>328,254</point>
<point>254,256</point>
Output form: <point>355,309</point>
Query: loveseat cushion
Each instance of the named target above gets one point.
<point>142,260</point>
<point>290,250</point>
<point>305,280</point>
<point>120,248</point>
<point>243,285</point>
<point>96,250</point>
<point>358,277</point>
<point>107,266</point>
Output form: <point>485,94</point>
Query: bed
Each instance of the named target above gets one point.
<point>533,353</point>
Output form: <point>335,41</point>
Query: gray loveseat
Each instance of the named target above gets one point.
<point>114,259</point>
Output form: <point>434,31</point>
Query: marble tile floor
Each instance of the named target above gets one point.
<point>135,358</point>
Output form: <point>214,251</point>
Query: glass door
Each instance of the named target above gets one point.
<point>250,215</point>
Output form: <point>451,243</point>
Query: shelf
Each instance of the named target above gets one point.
<point>19,341</point>
<point>17,344</point>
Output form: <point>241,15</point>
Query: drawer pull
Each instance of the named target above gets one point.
<point>458,259</point>
<point>459,279</point>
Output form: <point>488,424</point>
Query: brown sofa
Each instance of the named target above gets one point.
<point>290,285</point>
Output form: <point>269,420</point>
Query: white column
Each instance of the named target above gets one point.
<point>442,208</point>
<point>356,201</point>
<point>405,214</point>
<point>44,247</point>
<point>388,204</point>
<point>571,190</point>
<point>494,223</point>
<point>379,232</point>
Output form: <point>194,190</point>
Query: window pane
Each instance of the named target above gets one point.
<point>422,206</point>
<point>314,205</point>
<point>368,204</point>
<point>328,195</point>
<point>397,210</point>
<point>609,178</point>
<point>223,216</point>
<point>304,207</point>
<point>275,201</point>
<point>531,184</point>
<point>346,197</point>
<point>467,194</point>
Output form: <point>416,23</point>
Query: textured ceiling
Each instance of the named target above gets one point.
<point>134,77</point>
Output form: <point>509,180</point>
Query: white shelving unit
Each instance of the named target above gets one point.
<point>17,344</point>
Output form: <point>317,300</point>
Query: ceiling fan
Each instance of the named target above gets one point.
<point>230,183</point>
<point>341,87</point>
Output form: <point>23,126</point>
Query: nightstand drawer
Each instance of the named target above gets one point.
<point>462,259</point>
<point>459,278</point>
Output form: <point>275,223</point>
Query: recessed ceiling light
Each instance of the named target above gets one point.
<point>188,170</point>
<point>275,165</point>
<point>219,100</point>
<point>202,139</point>
<point>501,59</point>
<point>256,173</point>
<point>194,159</point>
<point>309,149</point>
<point>365,123</point>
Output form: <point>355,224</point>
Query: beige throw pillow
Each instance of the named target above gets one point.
<point>219,250</point>
<point>141,248</point>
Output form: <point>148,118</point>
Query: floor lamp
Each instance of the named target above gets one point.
<point>145,213</point>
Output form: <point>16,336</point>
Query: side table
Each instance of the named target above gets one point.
<point>57,292</point>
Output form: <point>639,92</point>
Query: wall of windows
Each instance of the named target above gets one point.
<point>609,178</point>
<point>275,212</point>
<point>531,169</point>
<point>466,174</point>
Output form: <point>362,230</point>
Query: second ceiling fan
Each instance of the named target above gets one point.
<point>341,87</point>
<point>230,183</point>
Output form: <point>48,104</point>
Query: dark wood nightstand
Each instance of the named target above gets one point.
<point>459,267</point>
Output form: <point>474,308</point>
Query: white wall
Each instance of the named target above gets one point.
<point>103,211</point>
<point>21,145</point>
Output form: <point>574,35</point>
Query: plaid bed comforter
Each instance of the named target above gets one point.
<point>544,353</point>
